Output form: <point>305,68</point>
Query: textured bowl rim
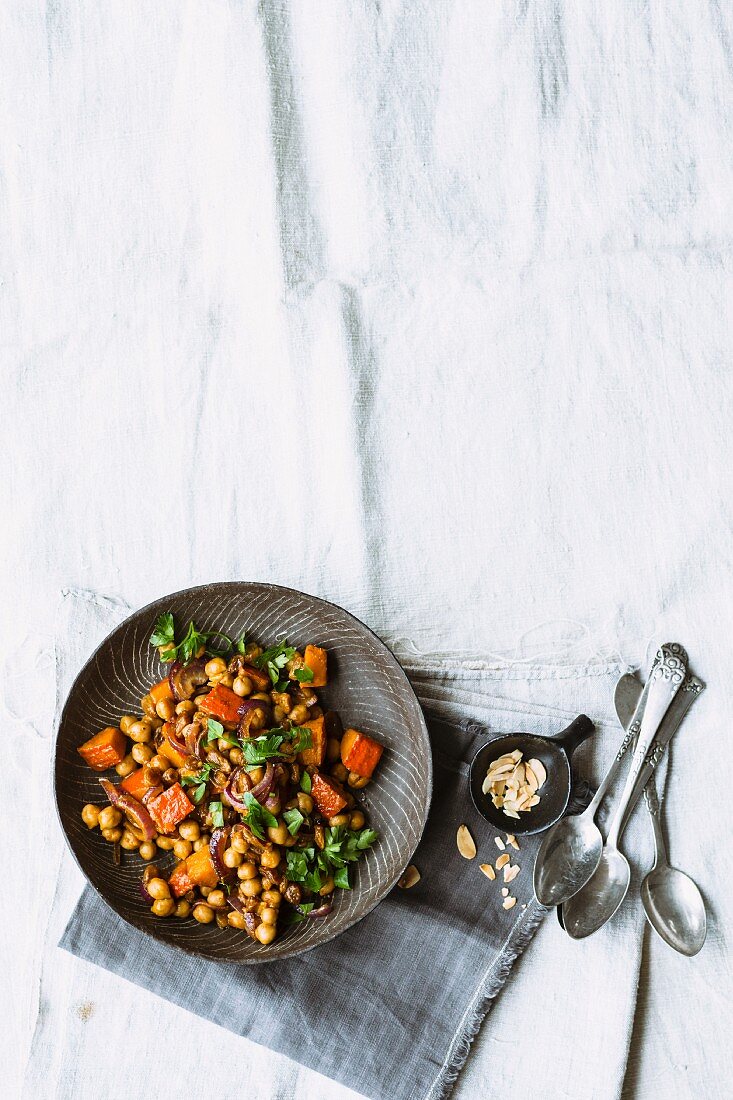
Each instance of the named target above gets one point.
<point>275,588</point>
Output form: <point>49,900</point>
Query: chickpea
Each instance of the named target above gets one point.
<point>127,721</point>
<point>151,775</point>
<point>338,820</point>
<point>147,704</point>
<point>298,714</point>
<point>282,699</point>
<point>305,803</point>
<point>215,667</point>
<point>227,680</point>
<point>357,820</point>
<point>271,898</point>
<point>183,909</point>
<point>202,842</point>
<point>262,695</point>
<point>242,686</point>
<point>268,915</point>
<point>278,714</point>
<point>270,857</point>
<point>278,833</point>
<point>158,889</point>
<point>236,757</point>
<point>165,709</point>
<point>256,775</point>
<point>146,850</point>
<point>163,908</point>
<point>112,835</point>
<point>141,731</point>
<point>141,754</point>
<point>246,871</point>
<point>129,841</point>
<point>328,887</point>
<point>357,781</point>
<point>251,652</point>
<point>189,830</point>
<point>156,723</point>
<point>205,890</point>
<point>170,776</point>
<point>274,805</point>
<point>232,858</point>
<point>217,899</point>
<point>162,763</point>
<point>338,771</point>
<point>203,914</point>
<point>164,843</point>
<point>333,750</point>
<point>265,933</point>
<point>239,843</point>
<point>182,849</point>
<point>109,818</point>
<point>125,766</point>
<point>185,707</point>
<point>251,888</point>
<point>90,816</point>
<point>236,920</point>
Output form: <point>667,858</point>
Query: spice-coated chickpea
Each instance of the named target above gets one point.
<point>236,920</point>
<point>164,907</point>
<point>239,843</point>
<point>112,835</point>
<point>217,899</point>
<point>298,714</point>
<point>236,757</point>
<point>338,820</point>
<point>265,933</point>
<point>242,686</point>
<point>129,841</point>
<point>256,775</point>
<point>215,667</point>
<point>338,771</point>
<point>170,776</point>
<point>189,830</point>
<point>158,888</point>
<point>202,842</point>
<point>127,721</point>
<point>250,888</point>
<point>90,816</point>
<point>162,763</point>
<point>147,850</point>
<point>165,709</point>
<point>183,909</point>
<point>269,915</point>
<point>278,833</point>
<point>328,887</point>
<point>147,703</point>
<point>186,706</point>
<point>151,775</point>
<point>141,731</point>
<point>357,781</point>
<point>226,680</point>
<point>270,857</point>
<point>126,766</point>
<point>142,754</point>
<point>203,914</point>
<point>305,803</point>
<point>182,849</point>
<point>357,820</point>
<point>165,843</point>
<point>109,818</point>
<point>271,898</point>
<point>246,871</point>
<point>232,858</point>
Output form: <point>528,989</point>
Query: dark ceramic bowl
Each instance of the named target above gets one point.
<point>366,686</point>
<point>555,753</point>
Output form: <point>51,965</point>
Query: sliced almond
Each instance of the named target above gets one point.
<point>518,775</point>
<point>530,778</point>
<point>488,870</point>
<point>465,842</point>
<point>510,873</point>
<point>539,770</point>
<point>516,755</point>
<point>510,813</point>
<point>534,801</point>
<point>486,786</point>
<point>505,891</point>
<point>499,843</point>
<point>409,878</point>
<point>511,839</point>
<point>502,861</point>
<point>509,903</point>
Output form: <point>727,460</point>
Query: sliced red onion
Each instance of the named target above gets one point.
<point>248,708</point>
<point>239,775</point>
<point>322,911</point>
<point>236,903</point>
<point>184,679</point>
<point>263,788</point>
<point>152,793</point>
<point>147,898</point>
<point>217,847</point>
<point>177,742</point>
<point>250,921</point>
<point>130,806</point>
<point>259,678</point>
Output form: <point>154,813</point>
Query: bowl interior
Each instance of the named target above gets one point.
<point>366,686</point>
<point>554,794</point>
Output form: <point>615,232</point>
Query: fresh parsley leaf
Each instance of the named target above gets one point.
<point>217,814</point>
<point>366,839</point>
<point>165,631</point>
<point>341,878</point>
<point>295,916</point>
<point>303,675</point>
<point>297,864</point>
<point>240,646</point>
<point>258,818</point>
<point>258,750</point>
<point>275,659</point>
<point>305,783</point>
<point>301,738</point>
<point>198,781</point>
<point>293,819</point>
<point>218,651</point>
<point>199,793</point>
<point>216,732</point>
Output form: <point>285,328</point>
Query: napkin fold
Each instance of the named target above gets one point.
<point>391,1007</point>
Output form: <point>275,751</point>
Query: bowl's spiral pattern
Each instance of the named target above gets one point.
<point>366,686</point>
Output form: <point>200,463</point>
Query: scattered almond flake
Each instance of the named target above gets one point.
<point>509,903</point>
<point>465,842</point>
<point>502,861</point>
<point>499,843</point>
<point>505,891</point>
<point>409,878</point>
<point>511,839</point>
<point>539,770</point>
<point>524,906</point>
<point>488,870</point>
<point>511,872</point>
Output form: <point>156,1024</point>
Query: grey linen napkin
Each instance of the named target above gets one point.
<point>390,1007</point>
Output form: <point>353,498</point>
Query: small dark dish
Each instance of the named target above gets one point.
<point>368,688</point>
<point>555,753</point>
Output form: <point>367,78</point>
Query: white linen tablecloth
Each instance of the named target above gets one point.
<point>420,307</point>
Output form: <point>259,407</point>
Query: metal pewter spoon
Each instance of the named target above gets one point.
<point>571,851</point>
<point>589,909</point>
<point>626,699</point>
<point>672,902</point>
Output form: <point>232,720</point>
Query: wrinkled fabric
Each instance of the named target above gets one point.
<point>419,307</point>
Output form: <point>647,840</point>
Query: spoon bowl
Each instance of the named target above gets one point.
<point>675,909</point>
<point>587,911</point>
<point>567,858</point>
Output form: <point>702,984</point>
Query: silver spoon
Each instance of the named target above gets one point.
<point>571,851</point>
<point>597,901</point>
<point>672,902</point>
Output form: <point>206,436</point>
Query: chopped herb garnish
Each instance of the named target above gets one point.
<point>258,818</point>
<point>303,675</point>
<point>217,814</point>
<point>343,846</point>
<point>240,646</point>
<point>165,631</point>
<point>216,732</point>
<point>274,660</point>
<point>293,819</point>
<point>164,634</point>
<point>341,878</point>
<point>295,916</point>
<point>198,781</point>
<point>305,783</point>
<point>258,750</point>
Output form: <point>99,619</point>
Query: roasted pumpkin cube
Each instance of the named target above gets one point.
<point>168,750</point>
<point>222,703</point>
<point>327,793</point>
<point>316,754</point>
<point>360,753</point>
<point>180,881</point>
<point>105,749</point>
<point>200,868</point>
<point>162,690</point>
<point>136,784</point>
<point>170,808</point>
<point>316,660</point>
